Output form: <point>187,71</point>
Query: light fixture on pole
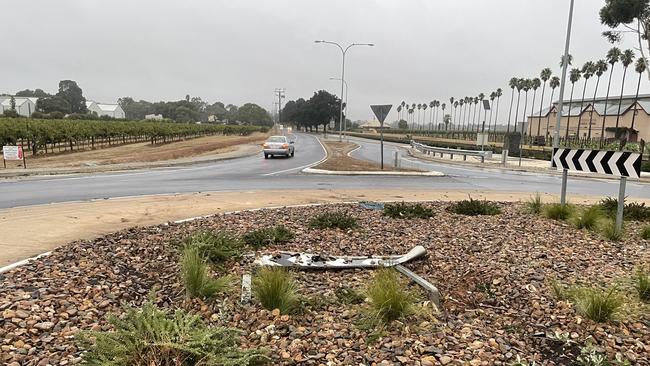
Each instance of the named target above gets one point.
<point>565,66</point>
<point>343,52</point>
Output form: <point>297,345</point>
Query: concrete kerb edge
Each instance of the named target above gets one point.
<point>381,173</point>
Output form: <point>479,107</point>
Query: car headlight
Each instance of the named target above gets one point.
<point>266,145</point>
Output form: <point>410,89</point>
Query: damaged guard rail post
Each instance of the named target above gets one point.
<point>434,294</point>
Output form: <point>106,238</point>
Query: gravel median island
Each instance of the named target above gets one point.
<point>494,273</point>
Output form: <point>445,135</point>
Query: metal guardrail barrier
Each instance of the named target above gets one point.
<point>426,149</point>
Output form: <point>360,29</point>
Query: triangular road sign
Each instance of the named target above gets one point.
<point>381,111</point>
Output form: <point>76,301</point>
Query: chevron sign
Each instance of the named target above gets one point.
<point>619,163</point>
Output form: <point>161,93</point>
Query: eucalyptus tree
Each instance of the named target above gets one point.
<point>574,76</point>
<point>535,84</point>
<point>554,83</point>
<point>613,56</point>
<point>627,58</point>
<point>601,67</point>
<point>640,67</point>
<point>545,75</point>
<point>499,93</point>
<point>588,70</point>
<point>513,83</point>
<point>520,85</point>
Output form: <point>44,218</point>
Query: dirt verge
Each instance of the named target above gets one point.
<point>338,159</point>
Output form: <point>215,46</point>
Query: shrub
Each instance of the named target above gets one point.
<point>610,231</point>
<point>588,218</point>
<point>642,284</point>
<point>472,207</point>
<point>196,276</point>
<point>216,247</point>
<point>275,289</point>
<point>268,236</point>
<point>403,210</point>
<point>388,296</point>
<point>597,304</point>
<point>645,232</point>
<point>631,211</point>
<point>339,220</point>
<point>152,336</point>
<point>558,211</point>
<point>560,291</point>
<point>534,204</point>
<point>349,296</point>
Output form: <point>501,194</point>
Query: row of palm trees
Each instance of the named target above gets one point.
<point>468,118</point>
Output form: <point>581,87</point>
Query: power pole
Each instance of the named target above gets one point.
<point>280,94</point>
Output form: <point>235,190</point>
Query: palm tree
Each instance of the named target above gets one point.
<point>536,83</point>
<point>626,59</point>
<point>512,84</point>
<point>465,114</point>
<point>475,103</point>
<point>612,57</point>
<point>435,117</point>
<point>455,114</point>
<point>481,96</point>
<point>413,106</point>
<point>399,110</point>
<point>461,103</point>
<point>545,75</point>
<point>411,119</point>
<point>528,83</point>
<point>574,76</point>
<point>417,125</point>
<point>588,70</point>
<point>640,67</point>
<point>499,93</point>
<point>520,85</point>
<point>493,96</point>
<point>424,115</point>
<point>554,83</point>
<point>432,105</point>
<point>451,105</point>
<point>600,67</point>
<point>443,106</point>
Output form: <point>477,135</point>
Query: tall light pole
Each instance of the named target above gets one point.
<point>343,52</point>
<point>565,66</point>
<point>346,99</point>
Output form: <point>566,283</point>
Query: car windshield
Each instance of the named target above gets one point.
<point>277,139</point>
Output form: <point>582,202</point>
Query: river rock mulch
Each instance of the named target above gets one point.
<point>493,273</point>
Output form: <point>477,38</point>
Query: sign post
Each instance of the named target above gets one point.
<point>381,111</point>
<point>623,164</point>
<point>13,153</point>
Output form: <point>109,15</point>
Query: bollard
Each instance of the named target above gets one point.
<point>396,159</point>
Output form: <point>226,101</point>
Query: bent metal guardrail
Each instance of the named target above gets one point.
<point>426,149</point>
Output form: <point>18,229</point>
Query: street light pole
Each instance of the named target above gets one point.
<point>565,66</point>
<point>346,101</point>
<point>343,52</point>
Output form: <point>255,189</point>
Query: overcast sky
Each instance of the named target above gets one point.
<point>240,51</point>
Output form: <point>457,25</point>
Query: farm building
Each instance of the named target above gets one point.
<point>585,118</point>
<point>24,106</point>
<point>373,125</point>
<point>111,110</point>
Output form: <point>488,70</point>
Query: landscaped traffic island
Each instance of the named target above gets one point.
<point>517,286</point>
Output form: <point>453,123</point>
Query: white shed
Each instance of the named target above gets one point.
<point>24,106</point>
<point>102,109</point>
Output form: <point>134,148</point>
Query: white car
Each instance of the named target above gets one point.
<point>278,145</point>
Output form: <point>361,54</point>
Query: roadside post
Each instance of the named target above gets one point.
<point>623,164</point>
<point>13,153</point>
<point>484,139</point>
<point>381,111</point>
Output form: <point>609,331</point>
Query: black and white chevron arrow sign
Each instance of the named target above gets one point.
<point>619,163</point>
